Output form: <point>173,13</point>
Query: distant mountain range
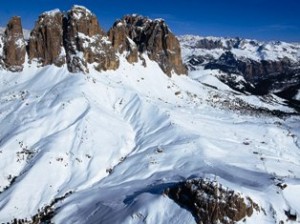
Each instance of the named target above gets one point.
<point>267,67</point>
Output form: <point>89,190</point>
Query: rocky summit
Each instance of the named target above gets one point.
<point>86,42</point>
<point>46,40</point>
<point>75,38</point>
<point>14,46</point>
<point>137,35</point>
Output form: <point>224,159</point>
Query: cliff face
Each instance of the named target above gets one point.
<point>14,47</point>
<point>137,34</point>
<point>46,40</point>
<point>250,69</point>
<point>76,39</point>
<point>86,42</point>
<point>120,37</point>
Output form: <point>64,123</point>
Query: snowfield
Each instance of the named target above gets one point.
<point>108,144</point>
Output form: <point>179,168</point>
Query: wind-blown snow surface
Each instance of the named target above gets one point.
<point>97,135</point>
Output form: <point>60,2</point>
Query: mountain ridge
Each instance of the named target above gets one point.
<point>76,38</point>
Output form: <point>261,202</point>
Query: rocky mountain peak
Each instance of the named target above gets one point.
<point>84,21</point>
<point>137,34</point>
<point>76,38</point>
<point>14,49</point>
<point>86,42</point>
<point>46,39</point>
<point>14,27</point>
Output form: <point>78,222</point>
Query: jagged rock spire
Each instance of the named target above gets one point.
<point>46,39</point>
<point>137,33</point>
<point>86,42</point>
<point>14,49</point>
<point>75,38</point>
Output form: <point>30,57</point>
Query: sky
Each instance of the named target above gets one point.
<point>254,19</point>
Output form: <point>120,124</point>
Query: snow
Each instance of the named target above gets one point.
<point>2,30</point>
<point>81,7</point>
<point>297,97</point>
<point>132,43</point>
<point>105,40</point>
<point>79,127</point>
<point>209,77</point>
<point>120,24</point>
<point>159,20</point>
<point>247,49</point>
<point>118,139</point>
<point>52,12</point>
<point>20,42</point>
<point>26,34</point>
<point>80,11</point>
<point>292,195</point>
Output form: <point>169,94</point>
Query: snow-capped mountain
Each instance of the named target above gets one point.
<point>255,50</point>
<point>246,65</point>
<point>126,139</point>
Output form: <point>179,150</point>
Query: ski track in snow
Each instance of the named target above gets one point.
<point>117,139</point>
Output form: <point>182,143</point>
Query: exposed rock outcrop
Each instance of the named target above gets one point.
<point>209,44</point>
<point>14,49</point>
<point>262,77</point>
<point>137,34</point>
<point>86,42</point>
<point>250,69</point>
<point>46,39</point>
<point>119,35</point>
<point>210,203</point>
<point>1,51</point>
<point>75,38</point>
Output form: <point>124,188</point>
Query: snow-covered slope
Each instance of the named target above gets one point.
<point>103,147</point>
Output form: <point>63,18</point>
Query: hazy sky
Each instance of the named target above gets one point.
<point>258,19</point>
